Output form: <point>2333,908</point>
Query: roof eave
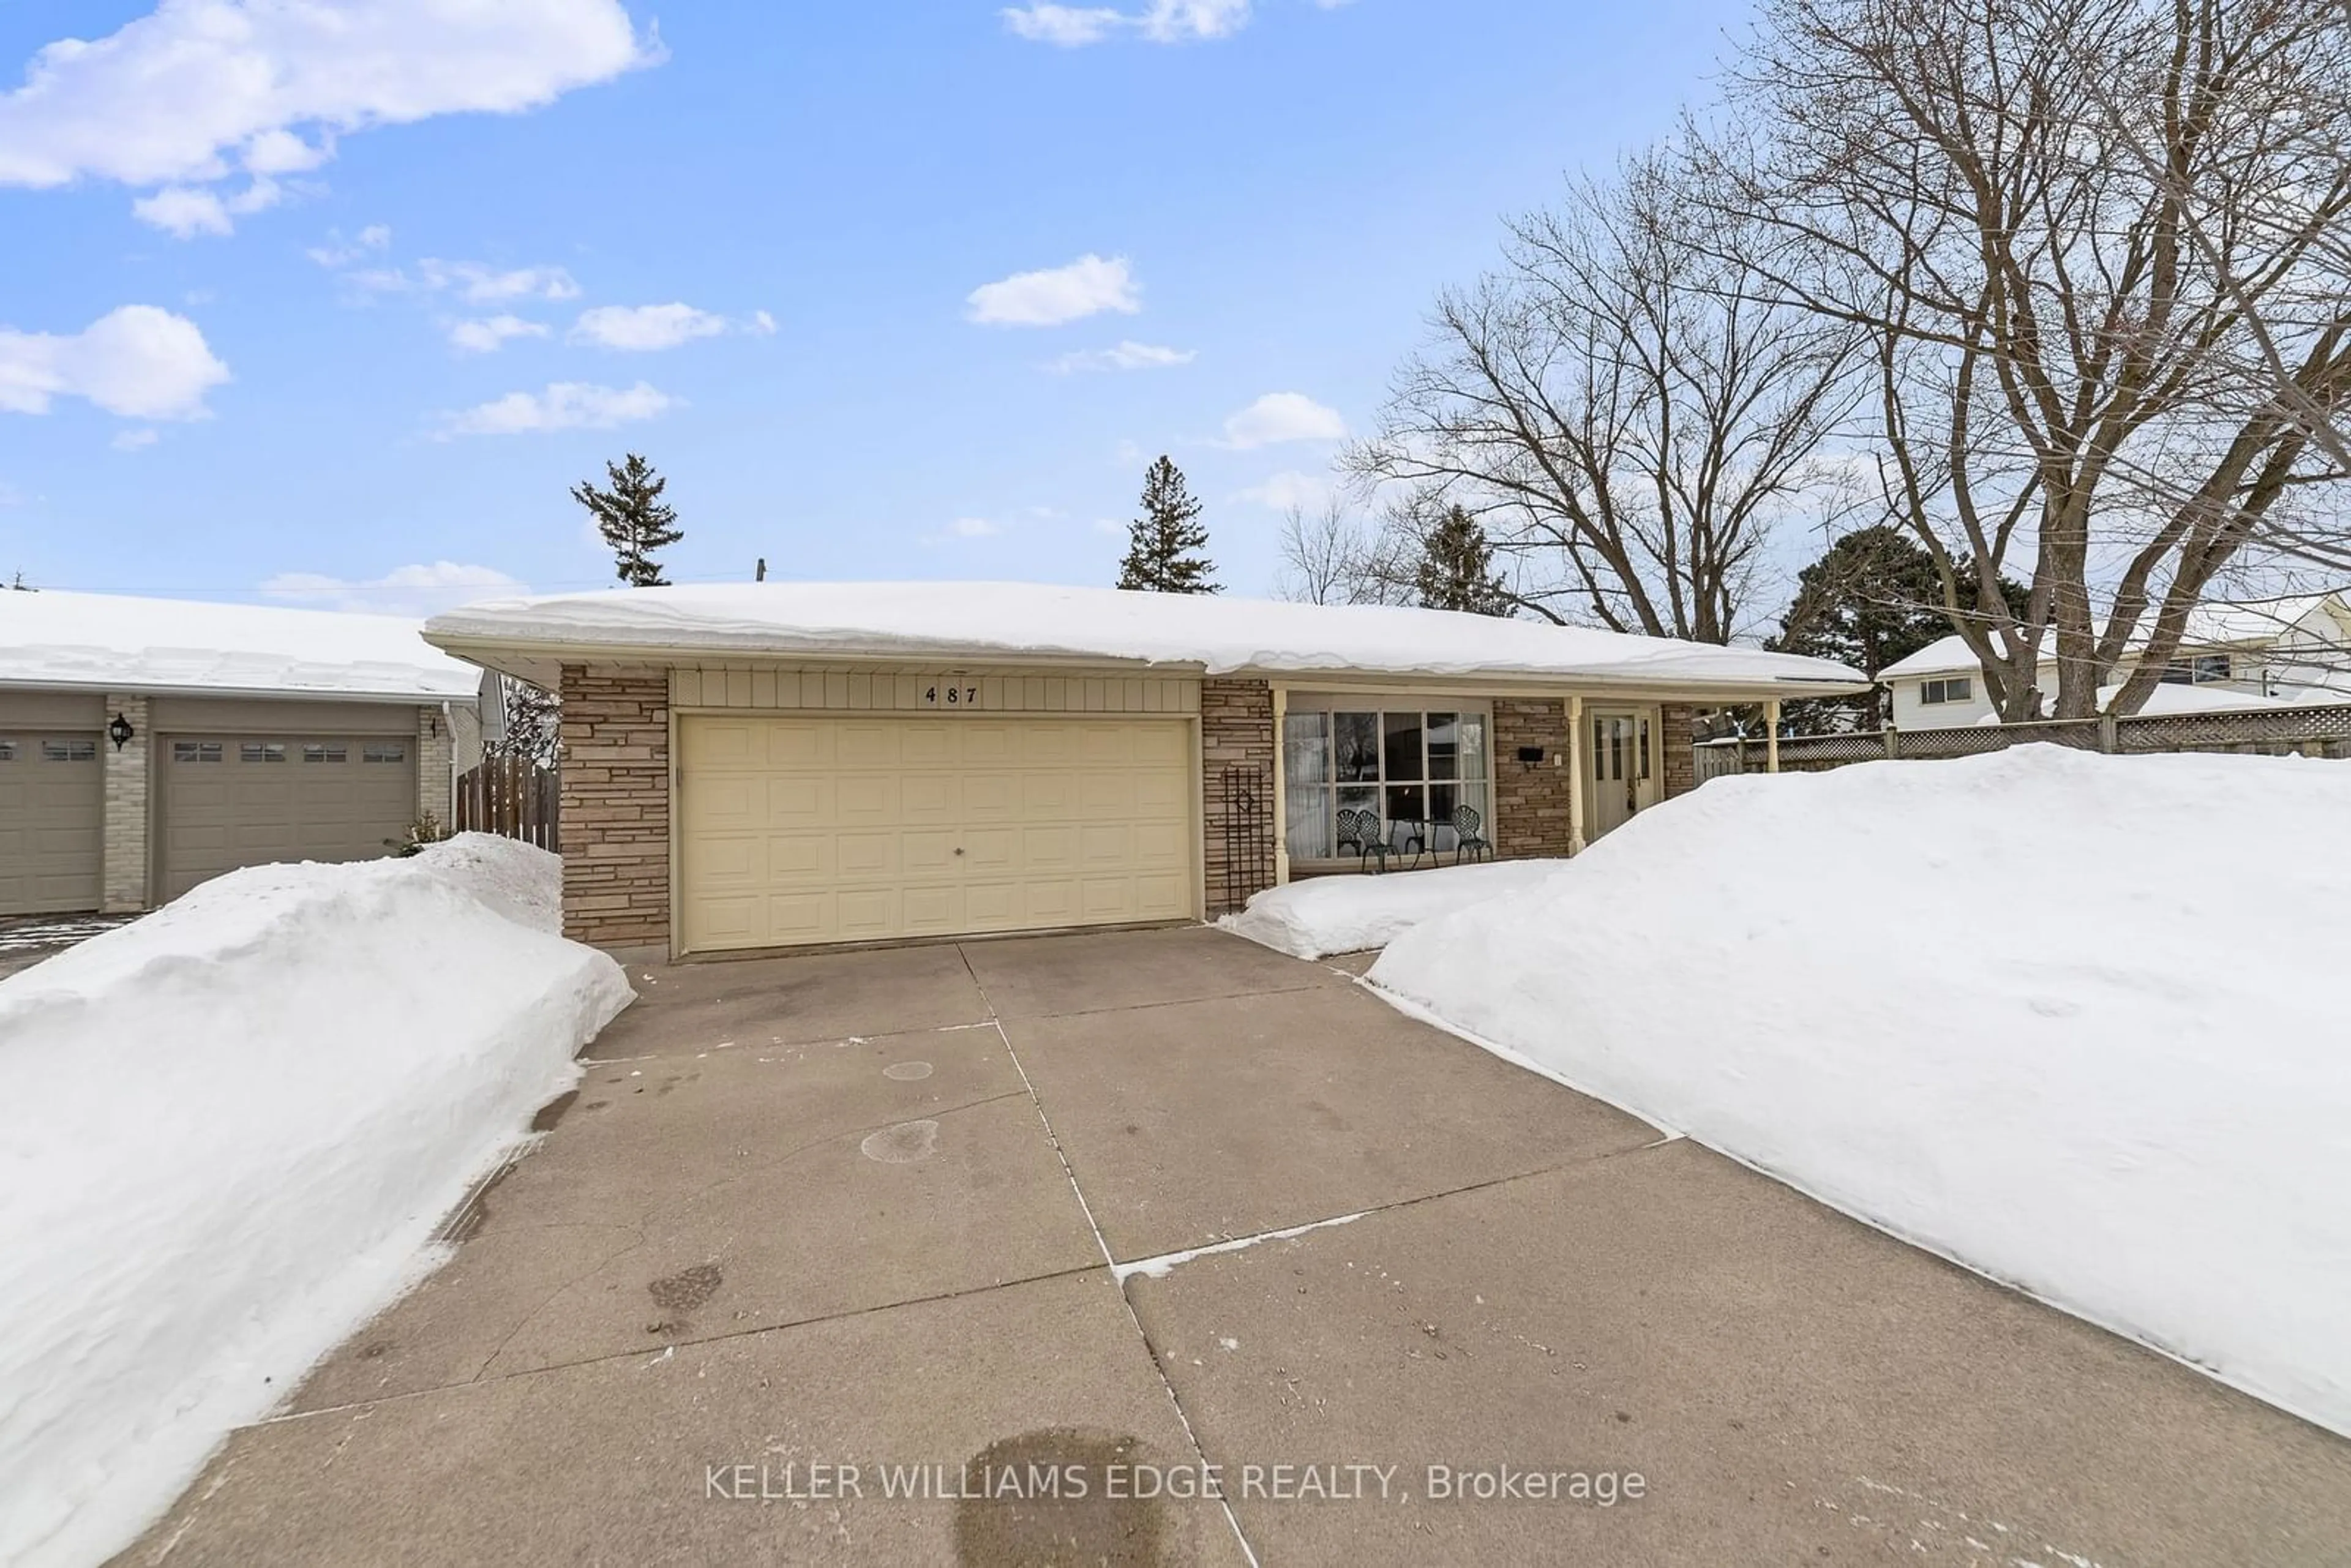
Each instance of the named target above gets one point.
<point>528,659</point>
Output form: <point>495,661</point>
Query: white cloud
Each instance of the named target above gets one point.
<point>645,327</point>
<point>421,590</point>
<point>1278,417</point>
<point>133,440</point>
<point>1067,25</point>
<point>138,361</point>
<point>481,285</point>
<point>1160,22</point>
<point>564,406</point>
<point>973,528</point>
<point>1087,286</point>
<point>340,253</point>
<point>198,90</point>
<point>182,211</point>
<point>762,325</point>
<point>1127,356</point>
<point>487,334</point>
<point>1290,488</point>
<point>185,211</point>
<point>1179,21</point>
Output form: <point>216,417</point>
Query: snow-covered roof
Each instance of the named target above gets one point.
<point>1016,622</point>
<point>105,642</point>
<point>2209,625</point>
<point>1944,653</point>
<point>2176,697</point>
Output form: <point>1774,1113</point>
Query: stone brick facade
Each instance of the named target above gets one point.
<point>1533,813</point>
<point>122,883</point>
<point>1235,730</point>
<point>1677,733</point>
<point>436,763</point>
<point>616,801</point>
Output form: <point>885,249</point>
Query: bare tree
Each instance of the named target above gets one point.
<point>1622,408</point>
<point>2102,286</point>
<point>533,722</point>
<point>1330,557</point>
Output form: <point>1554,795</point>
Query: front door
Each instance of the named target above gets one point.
<point>1621,775</point>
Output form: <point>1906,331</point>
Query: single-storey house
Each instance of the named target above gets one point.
<point>148,744</point>
<point>2258,653</point>
<point>777,765</point>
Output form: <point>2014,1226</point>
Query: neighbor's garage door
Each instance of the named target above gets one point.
<point>836,830</point>
<point>233,800</point>
<point>52,810</point>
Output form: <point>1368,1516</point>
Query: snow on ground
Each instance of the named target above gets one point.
<point>2073,1020</point>
<point>228,1134</point>
<point>1219,633</point>
<point>1351,912</point>
<point>109,641</point>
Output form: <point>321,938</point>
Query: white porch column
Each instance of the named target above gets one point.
<point>1281,787</point>
<point>1771,735</point>
<point>1574,775</point>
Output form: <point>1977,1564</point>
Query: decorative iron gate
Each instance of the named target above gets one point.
<point>1244,862</point>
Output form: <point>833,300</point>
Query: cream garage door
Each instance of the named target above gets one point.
<point>52,811</point>
<point>232,801</point>
<point>795,831</point>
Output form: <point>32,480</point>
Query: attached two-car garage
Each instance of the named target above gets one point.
<point>221,784</point>
<point>796,830</point>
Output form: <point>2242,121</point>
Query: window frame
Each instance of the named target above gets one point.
<point>371,751</point>
<point>67,749</point>
<point>1476,792</point>
<point>1965,691</point>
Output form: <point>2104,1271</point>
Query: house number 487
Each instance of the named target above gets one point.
<point>951,696</point>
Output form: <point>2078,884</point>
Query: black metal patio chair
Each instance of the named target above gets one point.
<point>1359,831</point>
<point>1468,837</point>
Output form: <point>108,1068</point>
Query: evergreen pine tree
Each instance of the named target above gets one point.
<point>634,519</point>
<point>1457,568</point>
<point>1165,545</point>
<point>1872,599</point>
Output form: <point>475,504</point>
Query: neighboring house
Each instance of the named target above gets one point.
<point>788,764</point>
<point>147,744</point>
<point>2276,653</point>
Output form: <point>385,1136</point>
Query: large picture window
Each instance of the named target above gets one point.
<point>1411,769</point>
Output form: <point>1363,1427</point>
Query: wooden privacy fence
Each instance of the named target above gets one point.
<point>512,797</point>
<point>2276,732</point>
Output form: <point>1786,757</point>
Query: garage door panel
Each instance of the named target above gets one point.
<point>991,798</point>
<point>868,856</point>
<point>788,747</point>
<point>869,746</point>
<point>796,860</point>
<point>1058,823</point>
<point>862,800</point>
<point>930,798</point>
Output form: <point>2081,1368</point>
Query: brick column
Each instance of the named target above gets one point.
<point>436,755</point>
<point>1532,810</point>
<point>1676,735</point>
<point>615,812</point>
<point>122,888</point>
<point>1235,729</point>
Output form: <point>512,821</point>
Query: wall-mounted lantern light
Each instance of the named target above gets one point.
<point>120,732</point>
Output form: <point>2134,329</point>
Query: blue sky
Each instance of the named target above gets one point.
<point>295,320</point>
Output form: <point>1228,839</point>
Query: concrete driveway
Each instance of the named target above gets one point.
<point>862,1210</point>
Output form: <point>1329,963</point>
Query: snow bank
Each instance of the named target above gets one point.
<point>228,1134</point>
<point>2073,1020</point>
<point>110,642</point>
<point>1219,633</point>
<point>1350,913</point>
